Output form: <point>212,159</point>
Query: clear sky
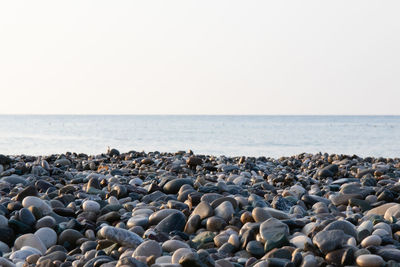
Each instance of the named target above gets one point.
<point>200,57</point>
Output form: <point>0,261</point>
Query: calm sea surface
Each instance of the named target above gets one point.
<point>218,135</point>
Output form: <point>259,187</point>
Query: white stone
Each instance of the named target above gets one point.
<point>178,254</point>
<point>91,206</point>
<point>47,235</point>
<point>38,203</point>
<point>300,241</point>
<point>29,240</point>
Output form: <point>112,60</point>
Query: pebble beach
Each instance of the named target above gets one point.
<point>183,209</point>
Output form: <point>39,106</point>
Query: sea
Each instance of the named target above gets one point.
<point>269,136</point>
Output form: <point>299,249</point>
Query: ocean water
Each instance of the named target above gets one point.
<point>270,136</point>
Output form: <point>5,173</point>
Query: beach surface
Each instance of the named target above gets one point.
<point>186,209</point>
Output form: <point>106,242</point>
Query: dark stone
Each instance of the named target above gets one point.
<point>68,238</point>
<point>26,217</point>
<point>65,212</point>
<point>4,160</point>
<point>20,227</point>
<point>329,240</point>
<point>42,185</point>
<point>328,171</point>
<point>7,235</point>
<point>28,191</point>
<point>113,152</point>
<point>347,227</point>
<point>172,187</point>
<point>281,203</point>
<point>173,222</point>
<point>193,161</point>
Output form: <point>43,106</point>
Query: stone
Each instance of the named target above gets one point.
<point>381,210</point>
<point>172,245</point>
<point>203,238</point>
<point>392,212</point>
<point>137,221</point>
<point>46,221</point>
<point>28,191</point>
<point>215,224</point>
<point>172,187</point>
<point>14,179</point>
<point>370,261</point>
<point>91,206</point>
<point>225,210</point>
<point>121,236</point>
<point>372,240</point>
<point>192,224</point>
<point>278,214</point>
<point>274,233</point>
<point>328,171</point>
<point>53,256</point>
<point>47,235</point>
<point>69,237</point>
<point>204,210</point>
<point>260,214</point>
<point>255,248</point>
<point>38,203</point>
<point>178,254</point>
<point>6,263</point>
<point>173,222</point>
<point>148,248</point>
<point>27,217</point>
<point>327,241</point>
<point>160,215</point>
<point>30,240</point>
<point>193,161</point>
<point>347,227</point>
<point>301,241</point>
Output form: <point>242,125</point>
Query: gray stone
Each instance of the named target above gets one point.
<point>148,248</point>
<point>329,240</point>
<point>121,236</point>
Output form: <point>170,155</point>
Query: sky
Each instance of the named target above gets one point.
<point>200,57</point>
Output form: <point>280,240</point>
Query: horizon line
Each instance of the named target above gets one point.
<point>181,114</point>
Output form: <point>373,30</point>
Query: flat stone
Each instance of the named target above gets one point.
<point>372,240</point>
<point>148,248</point>
<point>121,236</point>
<point>14,179</point>
<point>29,240</point>
<point>381,210</point>
<point>172,245</point>
<point>370,261</point>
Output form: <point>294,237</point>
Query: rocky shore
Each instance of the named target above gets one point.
<point>181,209</point>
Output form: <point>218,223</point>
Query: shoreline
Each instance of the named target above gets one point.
<point>181,209</point>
